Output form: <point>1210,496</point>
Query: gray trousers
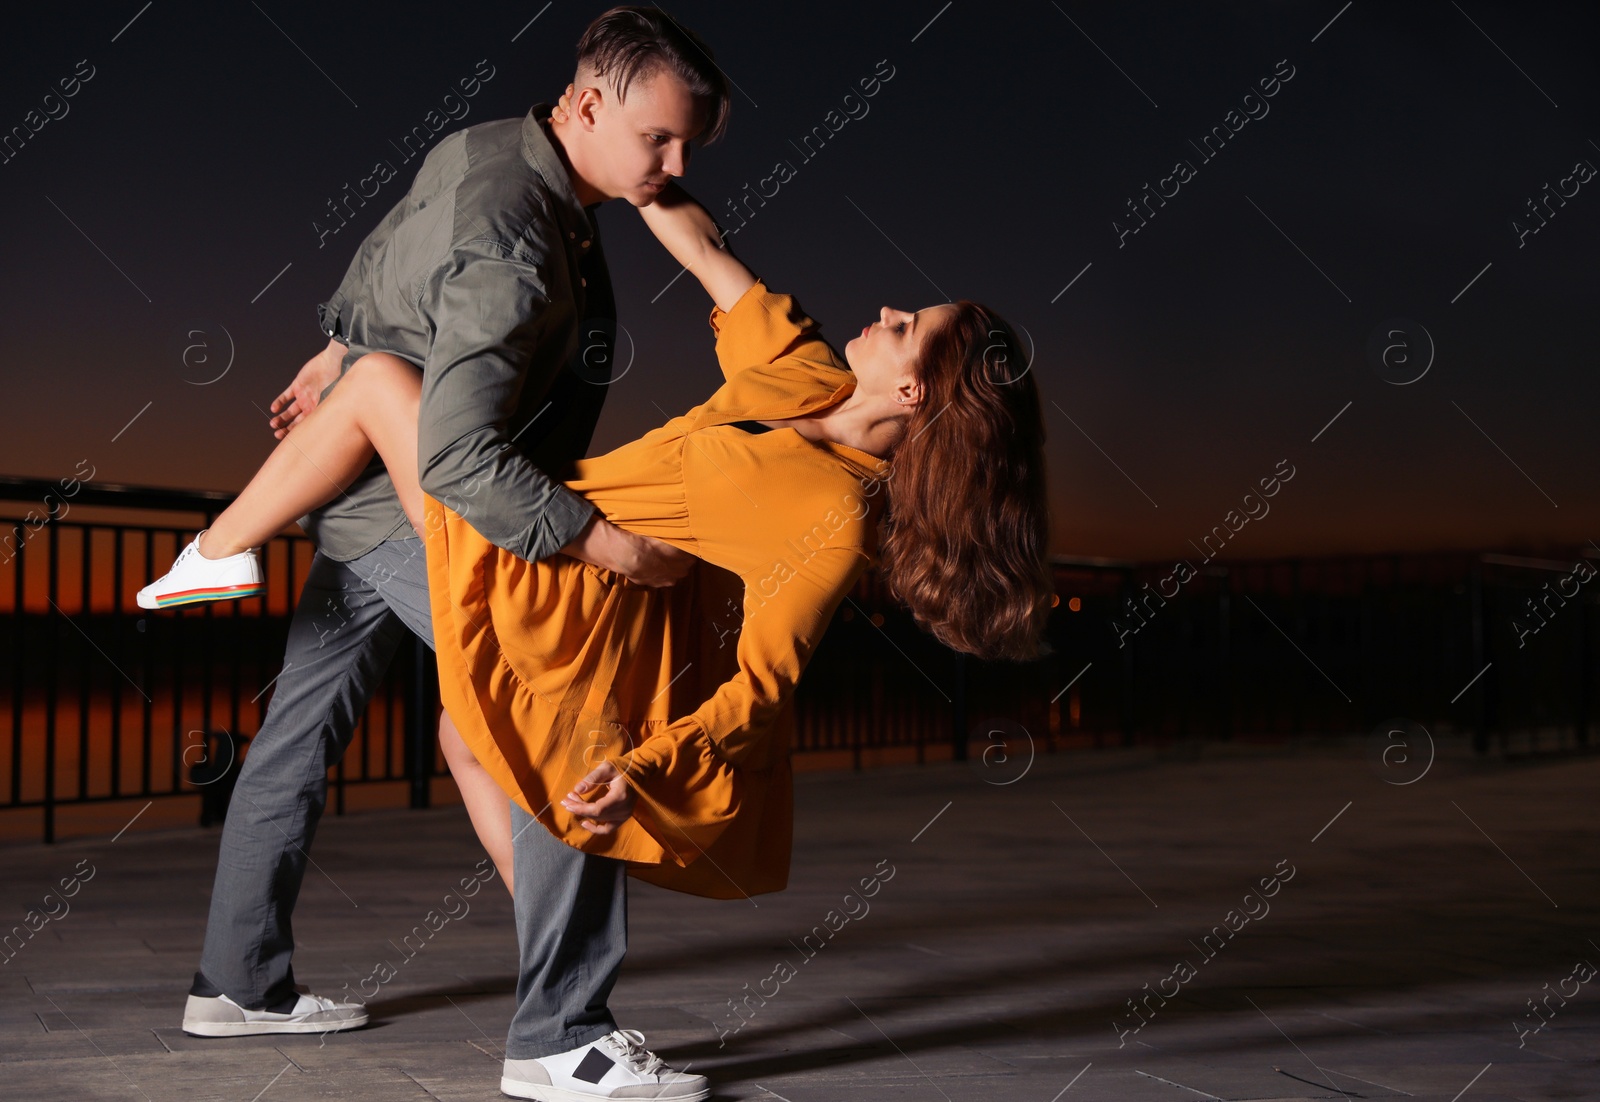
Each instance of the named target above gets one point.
<point>571,907</point>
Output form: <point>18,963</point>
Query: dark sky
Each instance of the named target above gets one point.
<point>997,164</point>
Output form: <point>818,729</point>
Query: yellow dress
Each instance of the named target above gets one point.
<point>550,667</point>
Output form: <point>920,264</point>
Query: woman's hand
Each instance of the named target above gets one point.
<point>563,108</point>
<point>614,804</point>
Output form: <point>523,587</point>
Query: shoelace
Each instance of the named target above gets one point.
<point>629,1044</point>
<point>191,549</point>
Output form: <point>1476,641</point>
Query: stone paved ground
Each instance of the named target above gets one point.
<point>995,964</point>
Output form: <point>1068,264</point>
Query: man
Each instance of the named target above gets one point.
<point>489,275</point>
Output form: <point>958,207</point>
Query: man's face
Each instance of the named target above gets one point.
<point>643,143</point>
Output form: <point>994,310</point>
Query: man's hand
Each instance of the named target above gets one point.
<point>640,559</point>
<point>613,801</point>
<point>305,392</point>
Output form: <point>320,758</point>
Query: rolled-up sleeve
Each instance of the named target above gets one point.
<point>488,312</point>
<point>329,318</point>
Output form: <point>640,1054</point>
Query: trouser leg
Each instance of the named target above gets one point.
<point>350,619</point>
<point>572,929</point>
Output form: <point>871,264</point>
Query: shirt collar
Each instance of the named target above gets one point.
<point>541,155</point>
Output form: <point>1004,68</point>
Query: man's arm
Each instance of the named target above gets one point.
<point>638,558</point>
<point>488,313</point>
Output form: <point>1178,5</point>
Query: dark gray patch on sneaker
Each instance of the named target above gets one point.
<point>593,1067</point>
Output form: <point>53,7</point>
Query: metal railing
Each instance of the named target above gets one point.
<point>1499,649</point>
<point>109,702</point>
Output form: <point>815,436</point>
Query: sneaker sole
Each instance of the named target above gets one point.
<point>248,1029</point>
<point>541,1092</point>
<point>195,596</point>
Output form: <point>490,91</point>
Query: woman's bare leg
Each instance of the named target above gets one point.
<point>374,408</point>
<point>487,804</point>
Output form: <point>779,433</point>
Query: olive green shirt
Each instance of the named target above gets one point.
<point>488,276</point>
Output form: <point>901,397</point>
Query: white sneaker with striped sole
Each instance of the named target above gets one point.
<point>194,578</point>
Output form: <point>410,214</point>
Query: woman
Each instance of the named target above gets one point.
<point>671,708</point>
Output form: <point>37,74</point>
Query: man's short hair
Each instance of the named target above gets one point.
<point>634,42</point>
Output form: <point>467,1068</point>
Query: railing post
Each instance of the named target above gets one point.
<point>1581,720</point>
<point>1480,656</point>
<point>958,710</point>
<point>53,589</point>
<point>1125,709</point>
<point>1225,729</point>
<point>420,723</point>
<point>18,681</point>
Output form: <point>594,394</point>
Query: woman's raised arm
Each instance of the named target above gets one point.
<point>687,231</point>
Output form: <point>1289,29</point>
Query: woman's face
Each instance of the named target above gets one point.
<point>885,354</point>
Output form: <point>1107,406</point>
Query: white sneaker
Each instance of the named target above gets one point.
<point>196,578</point>
<point>222,1017</point>
<point>616,1066</point>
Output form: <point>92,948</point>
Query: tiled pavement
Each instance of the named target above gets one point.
<point>995,964</point>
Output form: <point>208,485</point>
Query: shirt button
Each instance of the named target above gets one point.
<point>583,282</point>
<point>586,244</point>
<point>571,235</point>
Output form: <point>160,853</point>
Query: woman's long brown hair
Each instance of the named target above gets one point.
<point>965,538</point>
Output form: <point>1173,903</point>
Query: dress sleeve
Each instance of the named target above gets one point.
<point>764,327</point>
<point>686,774</point>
